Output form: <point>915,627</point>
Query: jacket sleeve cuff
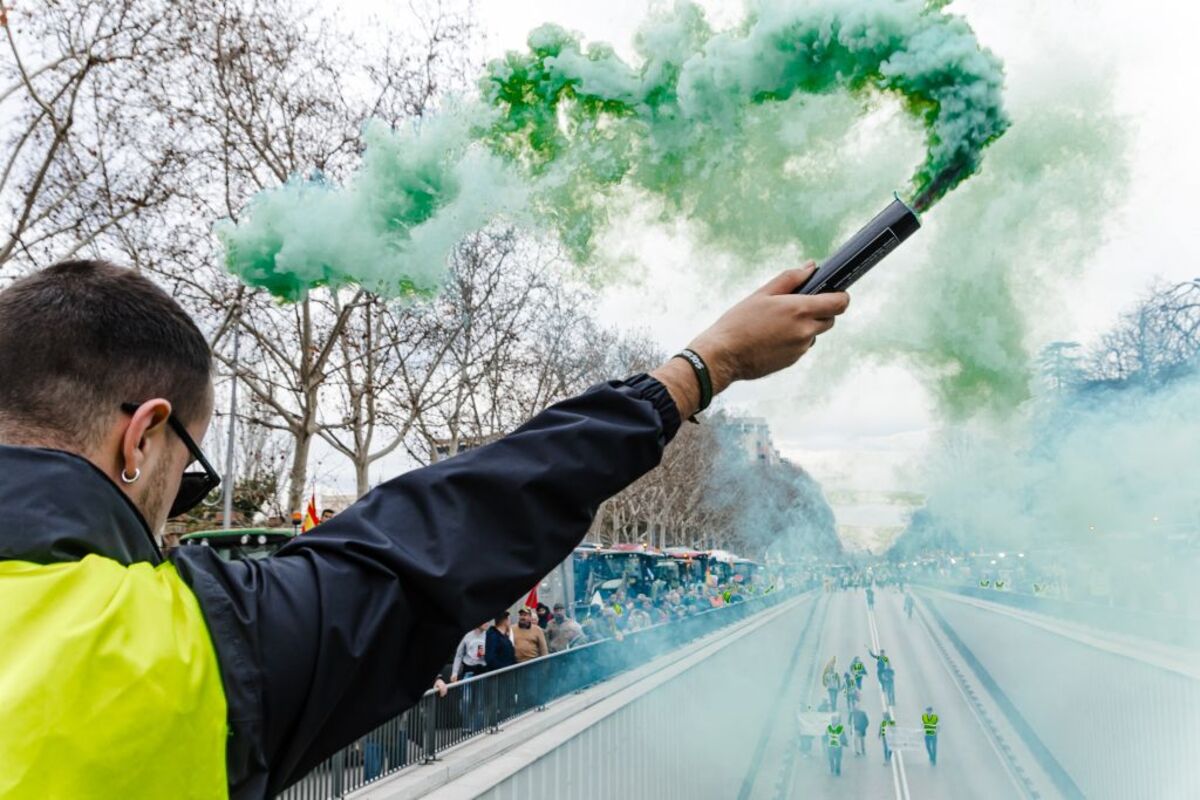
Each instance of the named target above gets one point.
<point>651,390</point>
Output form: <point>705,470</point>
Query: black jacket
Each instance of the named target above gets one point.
<point>499,651</point>
<point>347,625</point>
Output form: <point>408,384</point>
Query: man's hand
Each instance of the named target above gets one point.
<point>768,331</point>
<point>440,686</point>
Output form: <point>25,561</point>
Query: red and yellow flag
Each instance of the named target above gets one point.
<point>310,515</point>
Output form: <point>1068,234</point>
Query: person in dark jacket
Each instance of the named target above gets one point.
<point>499,651</point>
<point>251,672</point>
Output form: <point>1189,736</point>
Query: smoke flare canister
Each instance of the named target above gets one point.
<point>864,249</point>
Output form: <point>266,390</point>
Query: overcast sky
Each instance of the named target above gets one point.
<point>870,429</point>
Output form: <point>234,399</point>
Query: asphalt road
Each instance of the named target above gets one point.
<point>968,763</point>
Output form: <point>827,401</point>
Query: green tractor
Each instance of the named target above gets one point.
<point>239,544</point>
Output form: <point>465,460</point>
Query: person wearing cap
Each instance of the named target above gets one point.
<point>250,673</point>
<point>529,641</point>
<point>564,632</point>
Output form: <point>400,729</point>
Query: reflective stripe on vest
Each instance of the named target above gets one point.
<point>930,721</point>
<point>109,685</point>
<point>835,735</point>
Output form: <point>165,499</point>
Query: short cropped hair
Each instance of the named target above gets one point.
<point>80,338</point>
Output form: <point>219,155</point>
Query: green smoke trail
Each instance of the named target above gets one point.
<point>1004,250</point>
<point>700,126</point>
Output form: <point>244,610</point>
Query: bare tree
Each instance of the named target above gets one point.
<point>81,156</point>
<point>1154,342</point>
<point>1059,364</point>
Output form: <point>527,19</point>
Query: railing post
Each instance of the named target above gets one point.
<point>338,763</point>
<point>429,728</point>
<point>489,695</point>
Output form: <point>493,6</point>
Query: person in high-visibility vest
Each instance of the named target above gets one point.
<point>881,659</point>
<point>133,673</point>
<point>885,724</point>
<point>929,721</point>
<point>858,669</point>
<point>835,739</point>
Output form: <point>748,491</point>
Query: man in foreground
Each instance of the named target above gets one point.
<point>136,677</point>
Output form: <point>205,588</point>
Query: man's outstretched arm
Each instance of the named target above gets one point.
<point>345,626</point>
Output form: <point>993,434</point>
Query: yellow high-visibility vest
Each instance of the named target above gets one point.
<point>930,721</point>
<point>109,684</point>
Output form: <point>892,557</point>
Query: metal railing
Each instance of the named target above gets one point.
<point>481,704</point>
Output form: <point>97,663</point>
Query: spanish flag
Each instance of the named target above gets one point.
<point>310,515</point>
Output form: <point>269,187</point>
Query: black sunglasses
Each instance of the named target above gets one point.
<point>195,485</point>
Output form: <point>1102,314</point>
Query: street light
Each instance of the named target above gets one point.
<point>1020,555</point>
<point>1001,555</point>
<point>993,562</point>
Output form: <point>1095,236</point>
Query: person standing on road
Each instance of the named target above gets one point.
<point>887,680</point>
<point>929,721</point>
<point>835,735</point>
<point>870,597</point>
<point>851,690</point>
<point>886,724</point>
<point>252,672</point>
<point>860,722</point>
<point>858,669</point>
<point>833,684</point>
<point>908,605</point>
<point>881,659</point>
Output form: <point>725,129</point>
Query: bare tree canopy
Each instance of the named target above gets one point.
<point>132,126</point>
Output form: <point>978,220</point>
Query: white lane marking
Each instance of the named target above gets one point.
<point>899,776</point>
<point>943,659</point>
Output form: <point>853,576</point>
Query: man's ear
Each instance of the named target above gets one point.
<point>149,418</point>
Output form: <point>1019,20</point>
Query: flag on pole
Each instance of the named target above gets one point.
<point>310,515</point>
<point>532,600</point>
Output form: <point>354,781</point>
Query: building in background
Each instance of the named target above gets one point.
<point>441,449</point>
<point>755,437</point>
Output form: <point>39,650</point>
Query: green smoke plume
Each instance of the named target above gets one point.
<point>702,125</point>
<point>1001,252</point>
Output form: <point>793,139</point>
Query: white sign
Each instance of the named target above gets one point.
<point>905,738</point>
<point>813,723</point>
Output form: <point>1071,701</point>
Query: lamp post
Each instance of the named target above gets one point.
<point>230,480</point>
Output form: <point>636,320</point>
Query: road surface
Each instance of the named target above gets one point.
<point>969,764</point>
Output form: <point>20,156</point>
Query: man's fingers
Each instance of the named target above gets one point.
<point>820,306</point>
<point>819,326</point>
<point>789,280</point>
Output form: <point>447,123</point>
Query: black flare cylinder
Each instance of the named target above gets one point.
<point>864,249</point>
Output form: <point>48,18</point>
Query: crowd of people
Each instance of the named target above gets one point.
<point>842,704</point>
<point>541,630</point>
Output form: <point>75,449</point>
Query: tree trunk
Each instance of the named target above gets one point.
<point>299,474</point>
<point>361,482</point>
